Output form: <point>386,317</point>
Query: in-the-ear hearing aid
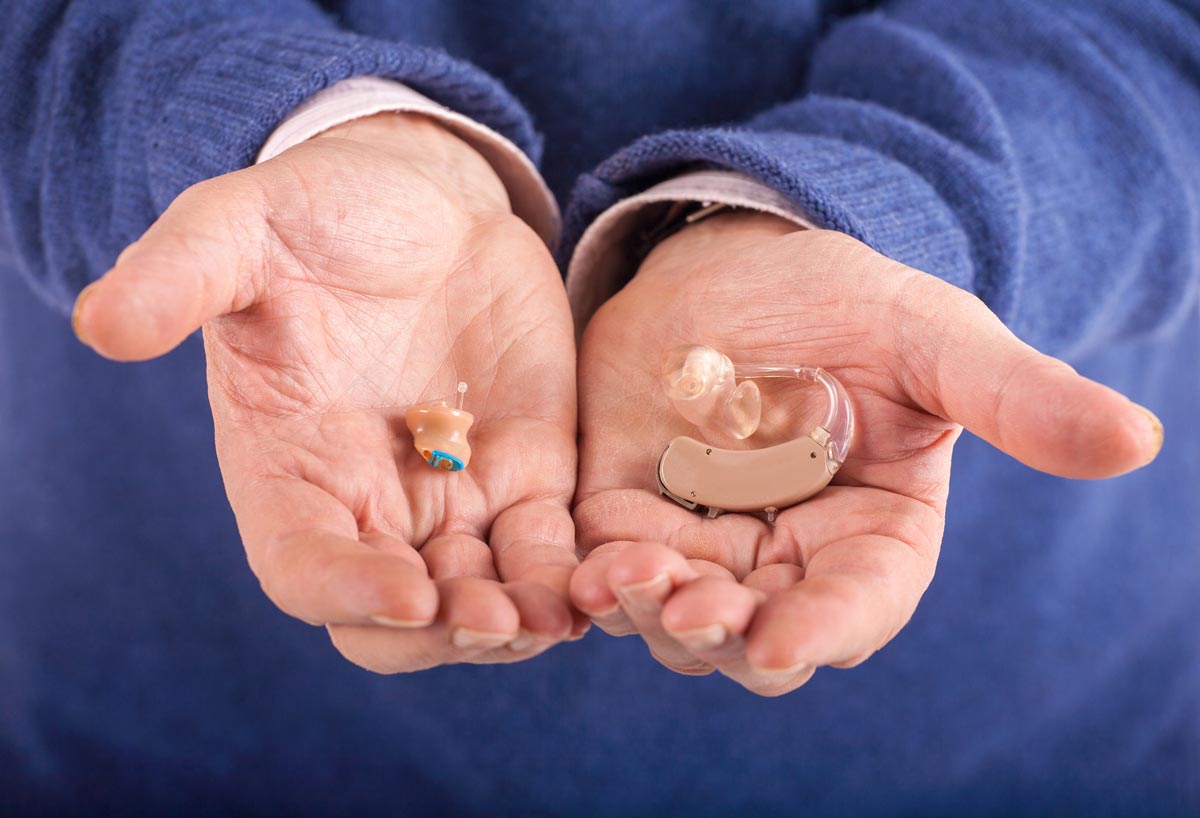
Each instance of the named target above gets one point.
<point>440,431</point>
<point>702,385</point>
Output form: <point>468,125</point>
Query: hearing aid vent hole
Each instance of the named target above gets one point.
<point>813,455</point>
<point>708,451</point>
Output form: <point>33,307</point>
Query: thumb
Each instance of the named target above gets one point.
<point>201,259</point>
<point>1036,408</point>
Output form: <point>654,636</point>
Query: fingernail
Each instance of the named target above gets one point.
<point>1156,432</point>
<point>781,673</point>
<point>392,622</point>
<point>468,638</point>
<point>77,312</point>
<point>607,612</point>
<point>703,638</point>
<point>523,641</point>
<point>640,595</point>
<point>579,628</point>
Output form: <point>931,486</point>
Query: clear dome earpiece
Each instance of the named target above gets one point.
<point>703,388</point>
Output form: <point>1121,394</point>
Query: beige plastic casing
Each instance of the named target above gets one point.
<point>696,474</point>
<point>439,428</point>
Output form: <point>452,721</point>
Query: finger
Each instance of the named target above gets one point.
<point>456,554</point>
<point>772,578</point>
<point>475,619</point>
<point>974,371</point>
<point>642,578</point>
<point>545,620</point>
<point>733,540</point>
<point>478,613</point>
<point>534,542</point>
<point>201,259</point>
<point>590,592</point>
<point>389,544</point>
<point>703,615</point>
<point>856,595</point>
<point>710,617</point>
<point>303,546</point>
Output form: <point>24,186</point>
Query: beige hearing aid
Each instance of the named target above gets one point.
<point>702,385</point>
<point>440,432</point>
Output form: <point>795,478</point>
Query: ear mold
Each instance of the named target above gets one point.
<point>703,389</point>
<point>440,432</point>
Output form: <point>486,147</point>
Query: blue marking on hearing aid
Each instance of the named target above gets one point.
<point>436,459</point>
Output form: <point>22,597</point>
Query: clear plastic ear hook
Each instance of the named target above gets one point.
<point>838,424</point>
<point>704,389</point>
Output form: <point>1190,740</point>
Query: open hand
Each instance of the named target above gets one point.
<point>368,269</point>
<point>836,577</point>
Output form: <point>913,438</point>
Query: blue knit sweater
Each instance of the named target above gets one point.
<point>1042,155</point>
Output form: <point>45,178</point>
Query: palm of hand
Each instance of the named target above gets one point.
<point>376,270</point>
<point>381,297</point>
<point>837,576</point>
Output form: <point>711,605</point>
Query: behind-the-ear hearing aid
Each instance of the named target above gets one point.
<point>440,431</point>
<point>702,385</point>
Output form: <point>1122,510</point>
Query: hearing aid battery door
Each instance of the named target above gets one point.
<point>694,473</point>
<point>440,435</point>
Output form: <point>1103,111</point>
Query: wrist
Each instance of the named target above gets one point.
<point>428,144</point>
<point>715,233</point>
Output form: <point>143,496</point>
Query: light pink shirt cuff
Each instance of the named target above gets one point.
<point>357,97</point>
<point>604,261</point>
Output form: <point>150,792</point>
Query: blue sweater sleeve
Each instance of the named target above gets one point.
<point>110,108</point>
<point>1041,154</point>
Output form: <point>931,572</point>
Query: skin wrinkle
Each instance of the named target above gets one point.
<point>330,338</point>
<point>402,371</point>
<point>502,356</point>
<point>462,177</point>
<point>914,365</point>
<point>236,389</point>
<point>232,223</point>
<point>777,546</point>
<point>336,251</point>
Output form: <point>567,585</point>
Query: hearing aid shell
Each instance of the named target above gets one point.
<point>440,432</point>
<point>697,475</point>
